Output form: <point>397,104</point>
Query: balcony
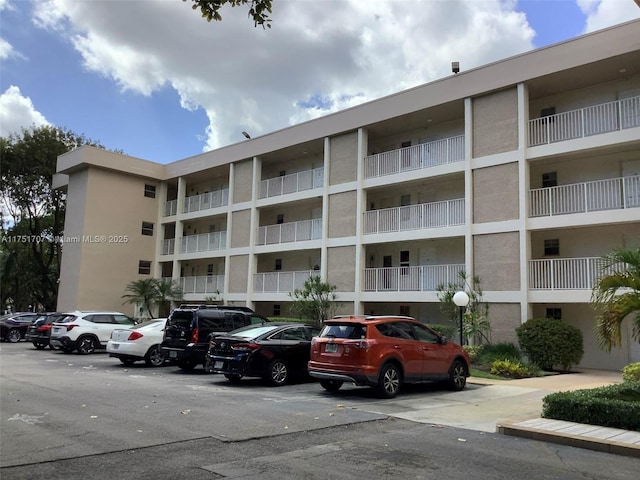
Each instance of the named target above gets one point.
<point>415,217</point>
<point>280,282</point>
<point>584,122</point>
<point>204,201</point>
<point>168,246</point>
<point>567,273</point>
<point>170,208</point>
<point>205,242</point>
<point>290,232</point>
<point>416,157</point>
<point>423,278</point>
<point>296,182</point>
<point>610,194</point>
<point>207,285</point>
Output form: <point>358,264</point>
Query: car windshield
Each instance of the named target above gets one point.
<point>253,331</point>
<point>344,330</point>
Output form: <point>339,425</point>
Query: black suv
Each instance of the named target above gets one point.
<point>186,336</point>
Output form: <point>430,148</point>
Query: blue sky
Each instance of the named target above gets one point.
<point>153,79</point>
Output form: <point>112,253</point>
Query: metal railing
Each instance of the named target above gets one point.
<point>204,242</point>
<point>584,122</point>
<point>210,284</point>
<point>280,282</point>
<point>415,157</point>
<point>423,278</point>
<point>415,217</point>
<point>609,194</point>
<point>289,232</point>
<point>295,182</point>
<point>170,208</point>
<point>567,273</point>
<point>217,198</point>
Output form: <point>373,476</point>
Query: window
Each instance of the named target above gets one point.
<point>147,229</point>
<point>547,112</point>
<point>210,269</point>
<point>404,262</point>
<point>555,313</point>
<point>424,334</point>
<point>144,267</point>
<point>283,173</point>
<point>405,144</point>
<point>280,218</point>
<point>405,200</point>
<point>99,318</point>
<point>552,247</point>
<point>278,265</point>
<point>276,309</point>
<point>549,179</point>
<point>150,191</point>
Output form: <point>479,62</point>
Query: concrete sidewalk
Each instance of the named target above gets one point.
<point>519,418</point>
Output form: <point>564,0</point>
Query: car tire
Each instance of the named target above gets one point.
<point>233,378</point>
<point>39,346</point>
<point>278,372</point>
<point>457,376</point>
<point>389,381</point>
<point>127,362</point>
<point>86,345</point>
<point>331,385</point>
<point>154,357</point>
<point>13,335</point>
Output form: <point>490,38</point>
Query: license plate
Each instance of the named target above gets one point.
<point>218,365</point>
<point>331,348</point>
<point>173,354</point>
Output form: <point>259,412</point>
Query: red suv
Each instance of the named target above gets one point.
<point>384,352</point>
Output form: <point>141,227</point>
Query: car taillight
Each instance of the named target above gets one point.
<point>44,328</point>
<point>135,335</point>
<point>245,347</point>
<point>70,327</point>
<point>212,343</point>
<point>194,335</point>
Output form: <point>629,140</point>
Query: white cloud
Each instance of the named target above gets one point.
<point>606,13</point>
<point>17,111</point>
<point>6,49</point>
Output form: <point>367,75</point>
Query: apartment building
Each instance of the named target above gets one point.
<point>523,172</point>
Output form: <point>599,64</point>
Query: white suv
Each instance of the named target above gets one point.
<point>86,331</point>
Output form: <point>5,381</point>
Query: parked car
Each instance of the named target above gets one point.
<point>14,326</point>
<point>141,342</point>
<point>273,351</point>
<point>186,335</point>
<point>85,331</point>
<point>385,352</point>
<point>39,332</point>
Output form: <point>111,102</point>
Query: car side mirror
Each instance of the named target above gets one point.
<point>443,340</point>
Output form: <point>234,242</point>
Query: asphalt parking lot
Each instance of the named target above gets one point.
<point>61,413</point>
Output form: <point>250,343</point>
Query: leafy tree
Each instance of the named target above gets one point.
<point>616,295</point>
<point>147,292</point>
<point>475,320</point>
<point>33,214</point>
<point>259,10</point>
<point>316,301</point>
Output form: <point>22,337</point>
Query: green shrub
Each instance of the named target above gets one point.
<point>499,351</point>
<point>615,406</point>
<point>631,373</point>
<point>551,343</point>
<point>474,351</point>
<point>508,368</point>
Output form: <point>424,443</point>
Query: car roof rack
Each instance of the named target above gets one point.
<point>200,306</point>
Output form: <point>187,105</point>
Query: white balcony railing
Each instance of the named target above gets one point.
<point>567,273</point>
<point>584,122</point>
<point>208,285</point>
<point>289,232</point>
<point>424,155</point>
<point>170,208</point>
<point>217,198</point>
<point>168,246</point>
<point>415,217</point>
<point>609,194</point>
<point>295,182</point>
<point>205,242</point>
<point>424,278</point>
<point>280,282</point>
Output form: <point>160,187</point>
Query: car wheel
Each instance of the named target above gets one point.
<point>457,376</point>
<point>39,346</point>
<point>86,345</point>
<point>331,385</point>
<point>13,335</point>
<point>186,366</point>
<point>278,373</point>
<point>154,357</point>
<point>389,381</point>
<point>233,378</point>
<point>127,362</point>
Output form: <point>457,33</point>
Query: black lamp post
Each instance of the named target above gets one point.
<point>461,299</point>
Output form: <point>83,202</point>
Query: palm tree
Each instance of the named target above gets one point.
<point>142,292</point>
<point>616,295</point>
<point>168,291</point>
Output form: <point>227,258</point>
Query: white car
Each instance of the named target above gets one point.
<point>87,331</point>
<point>141,342</point>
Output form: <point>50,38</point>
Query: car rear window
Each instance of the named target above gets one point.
<point>344,330</point>
<point>253,332</point>
<point>180,319</point>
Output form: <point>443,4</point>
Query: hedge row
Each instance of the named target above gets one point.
<point>615,406</point>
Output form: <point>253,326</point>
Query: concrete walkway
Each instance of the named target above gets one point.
<point>522,406</point>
